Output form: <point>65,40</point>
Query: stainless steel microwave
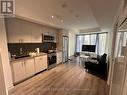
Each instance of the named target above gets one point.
<point>48,38</point>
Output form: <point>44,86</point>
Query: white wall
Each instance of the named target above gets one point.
<point>2,81</point>
<point>4,56</point>
<point>72,43</point>
<point>111,47</point>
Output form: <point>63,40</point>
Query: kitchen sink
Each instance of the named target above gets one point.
<point>21,56</point>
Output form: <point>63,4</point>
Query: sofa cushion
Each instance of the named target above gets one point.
<point>102,59</point>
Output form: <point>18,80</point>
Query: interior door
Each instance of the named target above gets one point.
<point>120,64</point>
<point>65,48</point>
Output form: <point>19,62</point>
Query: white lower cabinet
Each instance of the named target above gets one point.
<point>22,69</point>
<point>18,71</point>
<point>45,62</point>
<point>29,66</point>
<point>59,57</point>
<point>25,68</point>
<point>41,63</point>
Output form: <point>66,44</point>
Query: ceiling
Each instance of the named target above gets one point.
<point>70,14</point>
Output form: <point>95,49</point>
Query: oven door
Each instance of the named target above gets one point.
<point>52,59</point>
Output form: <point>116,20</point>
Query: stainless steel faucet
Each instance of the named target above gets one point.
<point>21,51</point>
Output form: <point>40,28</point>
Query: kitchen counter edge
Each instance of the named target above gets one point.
<point>25,58</point>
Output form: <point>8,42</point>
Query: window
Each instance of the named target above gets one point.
<point>79,43</point>
<point>121,42</point>
<point>92,39</point>
<point>101,44</point>
<point>86,40</point>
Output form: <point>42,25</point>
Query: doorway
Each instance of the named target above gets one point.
<point>118,83</point>
<point>65,48</point>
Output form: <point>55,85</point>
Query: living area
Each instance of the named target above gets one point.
<point>92,51</point>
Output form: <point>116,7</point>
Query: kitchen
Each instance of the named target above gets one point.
<point>33,48</point>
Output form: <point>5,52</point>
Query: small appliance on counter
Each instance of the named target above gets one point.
<point>37,50</point>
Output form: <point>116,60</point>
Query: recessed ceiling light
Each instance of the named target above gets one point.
<point>61,20</point>
<point>52,16</point>
<point>64,5</point>
<point>77,16</point>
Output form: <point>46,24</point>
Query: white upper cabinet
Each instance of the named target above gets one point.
<point>36,34</point>
<point>14,34</point>
<point>26,32</point>
<point>20,31</point>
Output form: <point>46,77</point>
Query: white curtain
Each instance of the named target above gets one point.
<point>117,43</point>
<point>121,40</point>
<point>93,39</point>
<point>102,43</point>
<point>79,43</point>
<point>86,40</point>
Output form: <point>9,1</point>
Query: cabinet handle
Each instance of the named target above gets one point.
<point>22,64</point>
<point>40,58</point>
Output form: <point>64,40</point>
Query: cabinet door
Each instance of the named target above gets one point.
<point>26,31</point>
<point>44,62</point>
<point>38,64</point>
<point>29,67</point>
<point>59,57</point>
<point>36,36</point>
<point>14,31</point>
<point>18,69</point>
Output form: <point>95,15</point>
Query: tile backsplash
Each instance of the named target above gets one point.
<point>14,48</point>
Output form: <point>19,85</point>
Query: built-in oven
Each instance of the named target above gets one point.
<point>48,38</point>
<point>52,59</point>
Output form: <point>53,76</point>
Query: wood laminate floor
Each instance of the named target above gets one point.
<point>65,79</point>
